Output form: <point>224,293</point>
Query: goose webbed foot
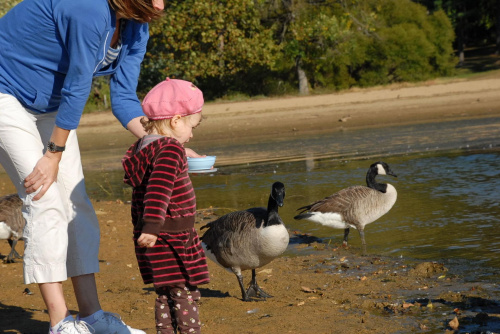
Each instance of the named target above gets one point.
<point>12,256</point>
<point>13,253</point>
<point>255,291</point>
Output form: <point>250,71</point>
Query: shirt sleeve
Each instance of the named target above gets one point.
<point>166,168</point>
<point>81,27</point>
<point>123,84</point>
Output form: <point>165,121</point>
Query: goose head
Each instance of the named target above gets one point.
<point>382,168</point>
<point>378,168</point>
<point>278,193</point>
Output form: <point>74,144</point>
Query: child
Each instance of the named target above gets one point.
<point>167,246</point>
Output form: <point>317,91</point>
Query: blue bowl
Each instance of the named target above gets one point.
<point>201,163</point>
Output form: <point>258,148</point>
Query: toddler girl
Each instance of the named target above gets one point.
<point>167,246</point>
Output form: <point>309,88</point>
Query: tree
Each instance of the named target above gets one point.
<point>6,5</point>
<point>476,22</point>
<point>207,41</point>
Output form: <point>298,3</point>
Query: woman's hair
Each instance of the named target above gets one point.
<point>138,10</point>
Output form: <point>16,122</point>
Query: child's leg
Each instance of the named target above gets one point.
<point>165,324</point>
<point>186,308</point>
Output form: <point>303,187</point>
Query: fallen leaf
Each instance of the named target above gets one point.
<point>454,323</point>
<point>266,271</point>
<point>306,289</point>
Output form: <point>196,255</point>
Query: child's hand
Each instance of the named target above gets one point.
<point>192,154</point>
<point>147,240</point>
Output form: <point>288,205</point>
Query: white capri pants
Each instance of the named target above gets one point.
<point>62,232</point>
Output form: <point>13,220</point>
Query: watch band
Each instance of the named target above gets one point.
<point>51,147</point>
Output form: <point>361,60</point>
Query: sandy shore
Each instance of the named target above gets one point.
<point>292,117</point>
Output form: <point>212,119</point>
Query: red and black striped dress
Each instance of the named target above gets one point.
<point>164,203</point>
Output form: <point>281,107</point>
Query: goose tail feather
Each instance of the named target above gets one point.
<point>304,215</point>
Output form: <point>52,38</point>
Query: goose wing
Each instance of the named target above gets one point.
<point>230,236</point>
<point>341,201</point>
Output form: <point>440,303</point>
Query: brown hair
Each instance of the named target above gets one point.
<point>137,10</point>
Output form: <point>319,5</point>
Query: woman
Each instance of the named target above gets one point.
<point>49,52</point>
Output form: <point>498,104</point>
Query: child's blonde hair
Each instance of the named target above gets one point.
<point>155,126</point>
<point>160,126</point>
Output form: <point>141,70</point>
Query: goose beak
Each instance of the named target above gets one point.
<point>280,200</point>
<point>391,173</point>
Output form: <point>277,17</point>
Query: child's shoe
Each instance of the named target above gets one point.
<point>111,323</point>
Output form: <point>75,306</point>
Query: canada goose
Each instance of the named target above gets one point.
<point>11,223</point>
<point>248,239</point>
<point>354,206</point>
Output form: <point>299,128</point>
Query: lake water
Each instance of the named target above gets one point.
<point>448,203</point>
<point>448,187</point>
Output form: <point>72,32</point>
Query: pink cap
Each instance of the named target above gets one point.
<point>172,97</point>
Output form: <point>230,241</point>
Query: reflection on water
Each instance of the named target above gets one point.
<point>447,208</point>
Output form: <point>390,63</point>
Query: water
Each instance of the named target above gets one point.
<point>447,208</point>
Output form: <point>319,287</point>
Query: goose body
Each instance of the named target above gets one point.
<point>249,239</point>
<point>11,223</point>
<point>355,206</point>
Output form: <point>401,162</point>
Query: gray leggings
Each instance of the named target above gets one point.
<point>176,310</point>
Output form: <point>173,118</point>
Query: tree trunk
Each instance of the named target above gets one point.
<point>461,46</point>
<point>303,82</point>
<point>498,29</point>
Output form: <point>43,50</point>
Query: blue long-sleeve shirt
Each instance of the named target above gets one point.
<point>51,49</point>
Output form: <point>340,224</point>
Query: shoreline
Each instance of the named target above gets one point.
<point>243,124</point>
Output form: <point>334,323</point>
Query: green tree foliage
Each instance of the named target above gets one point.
<point>408,44</point>
<point>363,43</point>
<point>317,42</point>
<point>5,5</point>
<point>208,42</point>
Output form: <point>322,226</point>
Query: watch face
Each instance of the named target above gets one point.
<point>54,148</point>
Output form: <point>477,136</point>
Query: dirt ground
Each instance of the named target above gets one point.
<point>327,289</point>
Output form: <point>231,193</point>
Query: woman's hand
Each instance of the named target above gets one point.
<point>147,240</point>
<point>43,175</point>
<point>46,169</point>
<point>192,154</point>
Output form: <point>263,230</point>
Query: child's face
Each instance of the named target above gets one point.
<point>183,127</point>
